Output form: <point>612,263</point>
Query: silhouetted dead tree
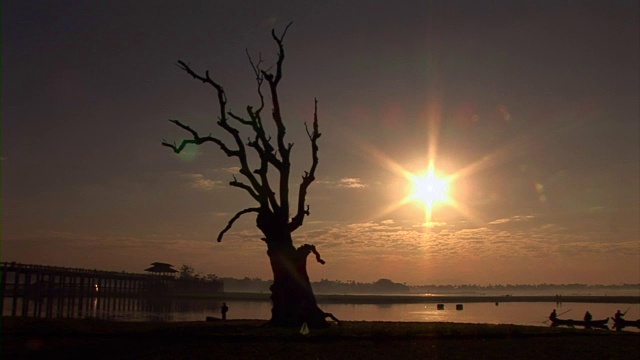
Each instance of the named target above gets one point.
<point>293,299</point>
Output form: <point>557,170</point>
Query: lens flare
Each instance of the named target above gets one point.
<point>428,188</point>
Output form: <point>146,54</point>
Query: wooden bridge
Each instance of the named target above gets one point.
<point>37,283</point>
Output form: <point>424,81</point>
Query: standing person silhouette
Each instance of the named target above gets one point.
<point>223,310</point>
<point>618,321</point>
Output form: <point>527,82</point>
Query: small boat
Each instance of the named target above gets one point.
<point>588,324</point>
<point>620,323</point>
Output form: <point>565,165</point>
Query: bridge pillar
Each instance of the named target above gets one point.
<point>3,282</point>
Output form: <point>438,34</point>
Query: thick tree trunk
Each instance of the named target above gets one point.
<point>293,300</point>
<point>292,297</point>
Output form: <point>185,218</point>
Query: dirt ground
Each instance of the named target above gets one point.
<point>93,339</point>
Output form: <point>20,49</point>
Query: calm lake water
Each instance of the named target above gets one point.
<point>118,309</point>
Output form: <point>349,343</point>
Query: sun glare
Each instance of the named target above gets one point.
<point>428,189</point>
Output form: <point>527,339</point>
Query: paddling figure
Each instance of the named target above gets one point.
<point>618,320</point>
<point>618,315</point>
<point>553,316</point>
<point>587,317</point>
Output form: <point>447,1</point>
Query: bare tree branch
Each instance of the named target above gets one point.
<point>177,149</point>
<point>197,140</point>
<point>223,123</point>
<point>255,115</point>
<point>259,79</point>
<point>205,79</point>
<point>234,218</point>
<point>262,171</point>
<point>280,52</point>
<point>249,189</point>
<point>239,119</point>
<point>277,118</point>
<point>309,176</point>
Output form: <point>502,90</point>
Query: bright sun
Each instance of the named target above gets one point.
<point>428,189</point>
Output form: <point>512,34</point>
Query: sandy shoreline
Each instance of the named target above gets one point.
<point>249,339</point>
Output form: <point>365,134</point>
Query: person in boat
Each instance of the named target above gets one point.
<point>553,316</point>
<point>618,320</point>
<point>587,317</point>
<point>618,315</point>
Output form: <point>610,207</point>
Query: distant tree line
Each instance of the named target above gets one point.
<point>387,286</point>
<point>324,286</point>
<point>520,288</point>
<point>382,286</point>
<point>188,272</point>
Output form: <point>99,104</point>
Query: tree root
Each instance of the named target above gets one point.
<point>330,315</point>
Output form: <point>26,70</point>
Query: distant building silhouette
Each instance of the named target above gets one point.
<point>161,269</point>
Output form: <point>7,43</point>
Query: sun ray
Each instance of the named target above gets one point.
<point>466,211</point>
<point>427,187</point>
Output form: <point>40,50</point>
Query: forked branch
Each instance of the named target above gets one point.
<point>309,176</point>
<point>222,97</point>
<point>283,149</point>
<point>197,140</point>
<point>280,52</point>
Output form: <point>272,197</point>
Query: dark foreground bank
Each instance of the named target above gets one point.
<point>24,338</point>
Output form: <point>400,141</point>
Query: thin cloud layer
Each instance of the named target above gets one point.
<point>346,182</point>
<point>198,181</point>
<point>351,183</point>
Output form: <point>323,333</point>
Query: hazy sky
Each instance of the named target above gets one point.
<point>532,106</point>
